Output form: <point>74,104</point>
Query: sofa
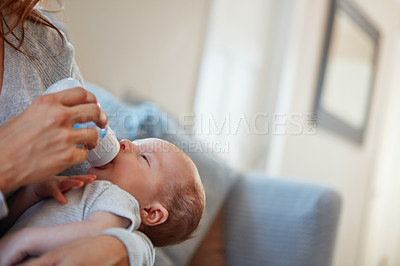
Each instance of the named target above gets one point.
<point>263,220</point>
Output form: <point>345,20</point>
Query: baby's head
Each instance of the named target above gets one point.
<point>165,182</point>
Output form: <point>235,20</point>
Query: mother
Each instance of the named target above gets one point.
<point>36,136</point>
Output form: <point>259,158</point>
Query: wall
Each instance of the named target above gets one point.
<point>383,233</point>
<point>245,46</point>
<point>151,47</point>
<point>325,157</point>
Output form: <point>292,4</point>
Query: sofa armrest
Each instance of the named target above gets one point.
<point>279,222</point>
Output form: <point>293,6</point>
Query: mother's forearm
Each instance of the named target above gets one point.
<point>103,250</point>
<point>18,203</point>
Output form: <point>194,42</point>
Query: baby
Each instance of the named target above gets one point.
<point>151,186</point>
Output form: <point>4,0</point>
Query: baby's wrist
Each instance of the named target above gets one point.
<point>29,193</point>
<point>6,181</point>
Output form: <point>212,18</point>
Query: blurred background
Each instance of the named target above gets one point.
<point>243,76</point>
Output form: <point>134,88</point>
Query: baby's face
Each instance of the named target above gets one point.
<point>142,166</point>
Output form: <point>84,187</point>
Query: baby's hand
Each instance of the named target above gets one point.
<point>57,185</point>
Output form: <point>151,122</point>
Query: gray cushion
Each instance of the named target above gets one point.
<point>275,222</point>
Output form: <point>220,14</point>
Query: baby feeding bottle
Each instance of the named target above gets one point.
<point>108,147</point>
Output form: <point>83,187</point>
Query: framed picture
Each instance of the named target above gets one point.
<point>347,73</point>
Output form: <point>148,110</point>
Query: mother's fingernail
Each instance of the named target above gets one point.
<point>103,118</point>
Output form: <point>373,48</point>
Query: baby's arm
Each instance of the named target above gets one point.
<point>31,194</point>
<point>33,241</point>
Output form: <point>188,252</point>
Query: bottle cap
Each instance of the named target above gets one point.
<point>106,151</point>
<point>63,84</point>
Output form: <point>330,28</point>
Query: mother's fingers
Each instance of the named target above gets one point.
<point>89,112</point>
<point>74,156</point>
<point>87,103</point>
<point>76,96</point>
<point>60,160</point>
<point>89,137</point>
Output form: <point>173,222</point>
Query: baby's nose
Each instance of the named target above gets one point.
<point>127,145</point>
<point>135,147</point>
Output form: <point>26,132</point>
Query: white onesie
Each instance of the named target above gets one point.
<point>96,196</point>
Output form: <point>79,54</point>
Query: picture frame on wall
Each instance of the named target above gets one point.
<point>347,73</point>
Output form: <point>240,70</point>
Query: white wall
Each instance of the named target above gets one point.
<point>151,47</point>
<point>383,233</point>
<point>245,46</point>
<point>327,158</point>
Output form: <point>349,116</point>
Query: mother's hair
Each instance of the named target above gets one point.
<point>20,11</point>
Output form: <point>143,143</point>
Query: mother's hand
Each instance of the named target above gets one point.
<point>96,251</point>
<point>41,142</point>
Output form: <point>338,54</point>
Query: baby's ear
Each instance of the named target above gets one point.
<point>153,214</point>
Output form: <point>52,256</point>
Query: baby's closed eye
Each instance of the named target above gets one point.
<point>145,158</point>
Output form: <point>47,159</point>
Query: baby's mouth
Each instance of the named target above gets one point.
<point>99,169</point>
<point>92,171</point>
<point>106,165</point>
<point>102,167</point>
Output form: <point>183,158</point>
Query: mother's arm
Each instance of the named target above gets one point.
<point>99,250</point>
<point>115,246</point>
